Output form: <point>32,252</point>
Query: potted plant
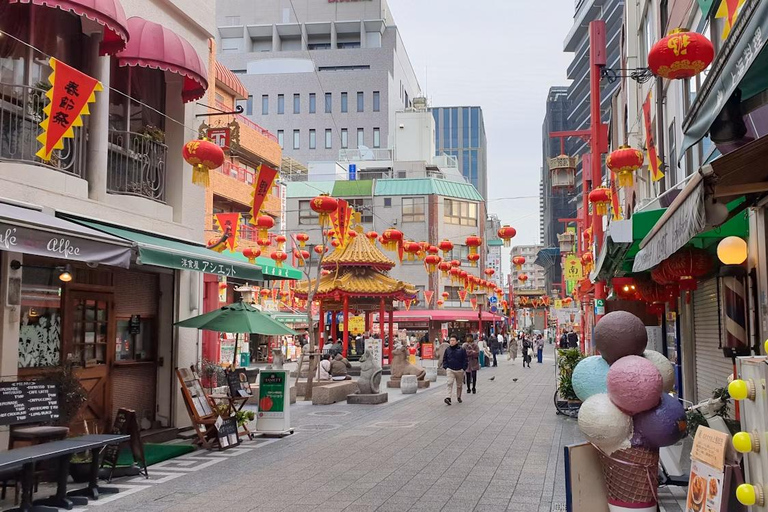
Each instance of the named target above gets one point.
<point>566,362</point>
<point>72,394</point>
<point>211,373</point>
<point>80,467</point>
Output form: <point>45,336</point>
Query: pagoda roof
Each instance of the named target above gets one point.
<point>360,251</point>
<point>361,281</point>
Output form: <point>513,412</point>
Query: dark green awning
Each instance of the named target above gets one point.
<point>358,188</point>
<point>268,267</point>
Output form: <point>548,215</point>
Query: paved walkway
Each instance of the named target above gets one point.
<point>499,450</point>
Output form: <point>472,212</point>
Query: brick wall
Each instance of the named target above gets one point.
<point>135,294</point>
<point>134,387</point>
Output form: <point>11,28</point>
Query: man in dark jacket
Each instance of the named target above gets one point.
<point>455,362</point>
<point>495,347</point>
<point>573,339</point>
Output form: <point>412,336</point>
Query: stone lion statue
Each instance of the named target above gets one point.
<point>370,374</point>
<point>277,358</point>
<point>400,365</point>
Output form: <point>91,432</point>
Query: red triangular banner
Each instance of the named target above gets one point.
<point>462,295</point>
<point>229,222</point>
<point>408,303</point>
<point>262,186</point>
<point>428,296</point>
<point>473,301</point>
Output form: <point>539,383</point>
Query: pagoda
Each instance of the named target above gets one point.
<point>357,279</point>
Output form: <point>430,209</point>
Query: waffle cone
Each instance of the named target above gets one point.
<point>631,475</point>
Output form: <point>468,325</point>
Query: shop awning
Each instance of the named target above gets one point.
<point>179,254</point>
<point>268,267</point>
<point>230,81</point>
<point>740,64</point>
<point>31,231</point>
<point>288,318</point>
<point>107,13</point>
<point>443,315</point>
<point>547,257</point>
<point>154,46</point>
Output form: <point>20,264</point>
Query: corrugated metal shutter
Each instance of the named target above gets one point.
<point>712,368</point>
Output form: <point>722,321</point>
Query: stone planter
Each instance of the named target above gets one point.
<point>409,384</point>
<point>431,375</point>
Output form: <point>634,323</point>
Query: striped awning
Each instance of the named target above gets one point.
<point>229,80</point>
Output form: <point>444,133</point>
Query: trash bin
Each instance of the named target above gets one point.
<point>245,359</point>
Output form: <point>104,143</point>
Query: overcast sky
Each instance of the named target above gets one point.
<point>502,55</point>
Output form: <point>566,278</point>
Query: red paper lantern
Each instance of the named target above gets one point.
<point>446,295</point>
<point>411,249</point>
<point>303,257</point>
<point>279,257</point>
<point>444,267</point>
<point>263,242</point>
<point>440,303</point>
<point>518,261</point>
<point>446,246</point>
<point>600,199</point>
<point>586,237</point>
<point>264,223</point>
<point>372,236</point>
<point>489,272</point>
<point>302,238</point>
<point>264,293</point>
<point>507,233</point>
<point>455,263</point>
<point>324,205</point>
<point>588,260</point>
<point>432,261</point>
<point>680,55</point>
<point>473,242</point>
<point>251,253</point>
<point>432,249</point>
<point>473,259</point>
<point>335,243</point>
<point>522,278</point>
<point>280,239</point>
<point>391,239</point>
<point>624,162</point>
<point>202,155</point>
<point>351,233</point>
<point>319,249</point>
<point>686,266</point>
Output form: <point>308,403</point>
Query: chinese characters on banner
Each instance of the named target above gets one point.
<point>341,219</point>
<point>573,268</point>
<point>650,143</point>
<point>229,223</point>
<point>69,95</point>
<point>261,188</point>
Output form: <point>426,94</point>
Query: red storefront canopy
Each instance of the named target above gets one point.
<point>230,81</point>
<point>444,315</point>
<point>107,13</point>
<point>157,47</point>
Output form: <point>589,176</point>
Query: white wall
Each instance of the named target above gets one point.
<point>414,136</point>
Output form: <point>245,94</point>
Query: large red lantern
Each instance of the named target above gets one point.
<point>473,259</point>
<point>624,162</point>
<point>280,239</point>
<point>440,303</point>
<point>251,253</point>
<point>412,249</point>
<point>263,242</point>
<point>680,55</point>
<point>372,236</point>
<point>432,261</point>
<point>686,266</point>
<point>454,273</point>
<point>335,243</point>
<point>264,223</point>
<point>455,263</point>
<point>391,239</point>
<point>302,238</point>
<point>518,261</point>
<point>507,233</point>
<point>600,198</point>
<point>202,155</point>
<point>446,295</point>
<point>473,242</point>
<point>432,249</point>
<point>279,257</point>
<point>522,278</point>
<point>303,256</point>
<point>446,246</point>
<point>444,267</point>
<point>319,249</point>
<point>324,205</point>
<point>489,272</point>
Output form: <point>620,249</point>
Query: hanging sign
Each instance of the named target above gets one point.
<point>654,162</point>
<point>573,268</point>
<point>228,223</point>
<point>341,219</point>
<point>69,95</point>
<point>220,136</point>
<point>428,296</point>
<point>262,186</point>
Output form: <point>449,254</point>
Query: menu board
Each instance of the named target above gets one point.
<point>28,402</point>
<point>125,424</point>
<point>227,432</point>
<point>238,384</point>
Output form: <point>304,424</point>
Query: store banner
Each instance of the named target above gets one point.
<point>473,302</point>
<point>341,220</point>
<point>462,295</point>
<point>573,268</point>
<point>729,10</point>
<point>428,294</point>
<point>68,98</point>
<point>654,162</point>
<point>262,186</point>
<point>408,303</point>
<point>228,223</point>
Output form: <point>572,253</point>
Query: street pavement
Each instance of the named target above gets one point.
<point>502,449</point>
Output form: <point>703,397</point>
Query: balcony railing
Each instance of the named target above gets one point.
<point>136,165</point>
<point>21,111</point>
<point>237,172</point>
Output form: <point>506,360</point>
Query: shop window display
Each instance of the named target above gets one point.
<point>40,331</point>
<point>135,339</point>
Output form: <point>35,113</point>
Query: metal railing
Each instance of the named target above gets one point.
<point>239,173</point>
<point>347,155</point>
<point>136,165</point>
<point>21,111</point>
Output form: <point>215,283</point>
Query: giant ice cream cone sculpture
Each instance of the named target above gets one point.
<point>627,412</point>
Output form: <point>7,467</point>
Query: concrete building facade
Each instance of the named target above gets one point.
<point>460,132</point>
<point>322,76</point>
<point>536,275</point>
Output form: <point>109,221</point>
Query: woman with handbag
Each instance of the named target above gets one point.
<point>473,353</point>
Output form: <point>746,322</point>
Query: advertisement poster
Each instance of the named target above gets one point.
<point>705,493</point>
<point>427,351</point>
<point>271,394</point>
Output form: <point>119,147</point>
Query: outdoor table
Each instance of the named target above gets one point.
<point>26,457</point>
<point>235,404</point>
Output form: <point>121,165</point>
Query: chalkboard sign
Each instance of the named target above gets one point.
<point>125,424</point>
<point>28,402</point>
<point>238,383</point>
<point>227,432</point>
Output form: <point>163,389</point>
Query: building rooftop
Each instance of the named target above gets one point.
<point>384,187</point>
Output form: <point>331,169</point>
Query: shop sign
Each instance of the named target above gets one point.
<point>427,351</point>
<point>573,269</point>
<point>42,243</point>
<point>220,136</point>
<point>708,476</point>
<point>271,395</point>
<point>599,307</point>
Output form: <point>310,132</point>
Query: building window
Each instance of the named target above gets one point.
<point>376,138</point>
<point>360,101</point>
<point>264,104</point>
<point>459,252</point>
<point>647,34</point>
<point>280,138</point>
<point>312,139</point>
<point>360,137</point>
<point>296,103</point>
<point>281,103</point>
<point>387,202</point>
<point>365,207</point>
<point>231,44</point>
<point>453,292</point>
<point>307,216</point>
<point>296,137</point>
<point>312,102</point>
<point>465,127</point>
<point>343,102</point>
<point>413,209</point>
<point>462,213</point>
<point>376,101</point>
<point>328,103</point>
<point>328,138</point>
<point>135,346</point>
<point>344,139</point>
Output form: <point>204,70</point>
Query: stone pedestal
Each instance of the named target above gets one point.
<point>368,398</point>
<point>422,384</point>
<point>408,384</point>
<point>431,375</point>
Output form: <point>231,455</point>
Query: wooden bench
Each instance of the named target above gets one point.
<point>335,391</point>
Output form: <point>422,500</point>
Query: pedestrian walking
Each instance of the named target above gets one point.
<point>564,340</point>
<point>495,346</point>
<point>473,353</point>
<point>454,362</point>
<point>512,353</point>
<point>483,351</point>
<point>527,352</point>
<point>573,339</point>
<point>540,349</point>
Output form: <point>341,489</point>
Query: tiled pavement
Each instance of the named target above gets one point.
<point>499,450</point>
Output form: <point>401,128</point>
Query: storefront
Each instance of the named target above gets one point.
<point>443,323</point>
